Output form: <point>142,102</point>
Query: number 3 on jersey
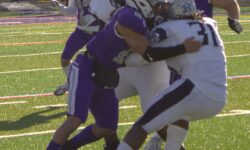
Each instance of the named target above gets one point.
<point>206,31</point>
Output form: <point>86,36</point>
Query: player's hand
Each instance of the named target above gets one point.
<point>192,45</point>
<point>235,25</point>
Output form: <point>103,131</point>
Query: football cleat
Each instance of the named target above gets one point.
<point>61,89</point>
<point>155,143</point>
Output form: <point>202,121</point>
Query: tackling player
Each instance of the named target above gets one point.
<point>233,10</point>
<point>129,84</point>
<point>201,91</point>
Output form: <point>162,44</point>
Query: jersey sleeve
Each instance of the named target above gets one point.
<point>134,21</point>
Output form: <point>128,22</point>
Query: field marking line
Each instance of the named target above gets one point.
<point>64,105</point>
<point>27,55</point>
<point>31,43</point>
<point>62,41</point>
<point>234,112</point>
<point>59,52</point>
<point>238,77</point>
<point>236,42</point>
<point>31,28</point>
<point>26,96</point>
<point>234,56</point>
<point>51,53</point>
<point>50,131</point>
<point>52,94</point>
<point>14,102</point>
<point>34,33</point>
<point>238,112</point>
<point>31,70</point>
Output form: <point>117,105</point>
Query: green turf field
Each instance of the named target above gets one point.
<point>30,64</point>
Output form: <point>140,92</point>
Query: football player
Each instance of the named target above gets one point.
<point>233,10</point>
<point>201,91</point>
<point>129,84</point>
<point>93,75</point>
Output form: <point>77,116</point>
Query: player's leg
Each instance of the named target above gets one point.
<point>75,42</point>
<point>157,139</point>
<point>150,80</point>
<point>163,112</point>
<point>106,113</point>
<point>104,107</point>
<point>181,101</point>
<point>81,87</point>
<point>176,133</point>
<point>154,77</point>
<point>146,80</point>
<point>124,90</point>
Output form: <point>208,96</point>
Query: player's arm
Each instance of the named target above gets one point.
<point>140,44</point>
<point>233,10</point>
<point>231,6</point>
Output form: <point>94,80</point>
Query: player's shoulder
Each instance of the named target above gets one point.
<point>208,19</point>
<point>129,13</point>
<point>211,21</point>
<point>131,18</point>
<point>171,25</point>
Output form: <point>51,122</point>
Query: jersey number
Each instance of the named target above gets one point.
<point>206,31</point>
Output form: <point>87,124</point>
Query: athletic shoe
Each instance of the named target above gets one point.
<point>61,89</point>
<point>154,143</point>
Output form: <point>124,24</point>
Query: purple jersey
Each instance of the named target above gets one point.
<point>205,6</point>
<point>108,46</point>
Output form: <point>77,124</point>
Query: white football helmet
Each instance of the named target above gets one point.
<point>181,8</point>
<point>144,6</point>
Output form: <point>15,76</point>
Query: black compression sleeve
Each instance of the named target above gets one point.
<point>160,53</point>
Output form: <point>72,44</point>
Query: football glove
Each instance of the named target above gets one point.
<point>235,25</point>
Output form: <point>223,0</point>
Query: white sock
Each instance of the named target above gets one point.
<point>175,137</point>
<point>124,146</point>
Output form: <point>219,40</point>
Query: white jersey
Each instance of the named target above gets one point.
<point>205,68</point>
<point>90,13</point>
<point>102,9</point>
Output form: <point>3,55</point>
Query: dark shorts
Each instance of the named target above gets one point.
<point>85,95</point>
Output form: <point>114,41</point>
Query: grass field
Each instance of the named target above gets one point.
<point>30,65</point>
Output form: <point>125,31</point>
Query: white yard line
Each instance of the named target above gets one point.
<point>233,113</point>
<point>31,70</point>
<point>26,96</point>
<point>28,55</point>
<point>14,102</point>
<point>235,56</point>
<point>64,105</point>
<point>51,94</point>
<point>236,42</point>
<point>49,131</point>
<point>238,77</point>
